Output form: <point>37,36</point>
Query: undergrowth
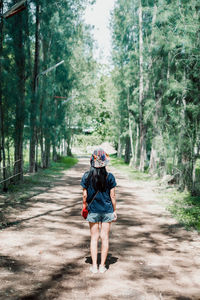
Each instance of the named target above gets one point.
<point>125,168</point>
<point>34,184</point>
<point>182,206</point>
<point>185,208</point>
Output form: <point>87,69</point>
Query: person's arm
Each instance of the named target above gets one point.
<point>113,199</point>
<point>84,198</point>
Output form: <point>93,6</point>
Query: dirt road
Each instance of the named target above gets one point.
<point>45,254</point>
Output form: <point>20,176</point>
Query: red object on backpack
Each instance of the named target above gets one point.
<point>84,213</point>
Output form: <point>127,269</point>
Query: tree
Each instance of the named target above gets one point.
<point>2,137</point>
<point>35,39</point>
<point>34,100</point>
<point>157,40</point>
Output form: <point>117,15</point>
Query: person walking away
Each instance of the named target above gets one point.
<point>99,198</point>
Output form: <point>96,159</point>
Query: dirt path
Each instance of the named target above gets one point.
<point>45,254</point>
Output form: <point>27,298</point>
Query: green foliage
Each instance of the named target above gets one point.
<point>133,174</point>
<point>186,209</point>
<point>107,104</point>
<point>170,111</point>
<point>66,162</point>
<point>62,36</point>
<point>43,178</point>
<point>88,140</point>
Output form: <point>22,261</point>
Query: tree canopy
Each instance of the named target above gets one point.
<point>147,104</point>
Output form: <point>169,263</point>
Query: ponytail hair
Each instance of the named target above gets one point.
<point>98,176</point>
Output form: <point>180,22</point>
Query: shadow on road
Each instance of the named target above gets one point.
<point>55,239</point>
<point>109,261</point>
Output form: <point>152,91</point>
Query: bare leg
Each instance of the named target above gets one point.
<point>105,229</point>
<point>94,231</point>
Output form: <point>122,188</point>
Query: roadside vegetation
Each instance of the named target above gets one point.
<point>182,206</point>
<point>19,194</point>
<point>126,169</point>
<point>44,177</point>
<point>185,208</point>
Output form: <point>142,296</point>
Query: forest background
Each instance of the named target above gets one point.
<point>146,103</point>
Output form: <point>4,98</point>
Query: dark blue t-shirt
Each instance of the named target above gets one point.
<point>102,202</point>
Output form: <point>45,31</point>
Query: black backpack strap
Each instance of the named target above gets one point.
<point>97,191</point>
<point>93,198</point>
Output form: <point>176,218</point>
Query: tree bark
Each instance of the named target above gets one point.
<point>127,150</point>
<point>156,132</point>
<point>119,148</point>
<point>19,43</point>
<point>2,136</point>
<point>41,124</point>
<point>55,157</point>
<point>47,151</point>
<point>43,106</point>
<point>131,142</point>
<point>34,97</point>
<point>130,130</point>
<point>7,146</point>
<point>42,149</point>
<point>152,164</point>
<point>136,146</point>
<point>150,49</point>
<point>168,66</point>
<point>141,94</point>
<point>183,159</point>
<point>64,147</point>
<point>41,120</point>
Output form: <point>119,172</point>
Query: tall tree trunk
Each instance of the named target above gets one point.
<point>131,141</point>
<point>41,124</point>
<point>183,146</point>
<point>47,150</point>
<point>8,157</point>
<point>19,43</point>
<point>36,152</point>
<point>64,147</point>
<point>196,154</point>
<point>141,94</point>
<point>119,148</point>
<point>55,157</point>
<point>43,107</point>
<point>127,150</point>
<point>152,164</point>
<point>193,184</point>
<point>35,94</point>
<point>54,138</point>
<point>155,133</point>
<point>150,49</point>
<point>130,130</point>
<point>42,149</point>
<point>168,66</point>
<point>2,136</point>
<point>69,152</point>
<point>136,145</point>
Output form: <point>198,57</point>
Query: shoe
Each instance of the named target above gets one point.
<point>93,269</point>
<point>102,269</point>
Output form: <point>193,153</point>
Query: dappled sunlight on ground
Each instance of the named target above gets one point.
<point>44,251</point>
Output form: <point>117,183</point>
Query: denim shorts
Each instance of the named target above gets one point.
<point>100,217</point>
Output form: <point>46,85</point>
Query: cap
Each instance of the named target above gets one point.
<point>99,158</point>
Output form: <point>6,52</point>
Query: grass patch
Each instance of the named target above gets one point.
<point>185,209</point>
<point>68,162</point>
<point>37,183</point>
<point>126,169</point>
<point>182,206</point>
